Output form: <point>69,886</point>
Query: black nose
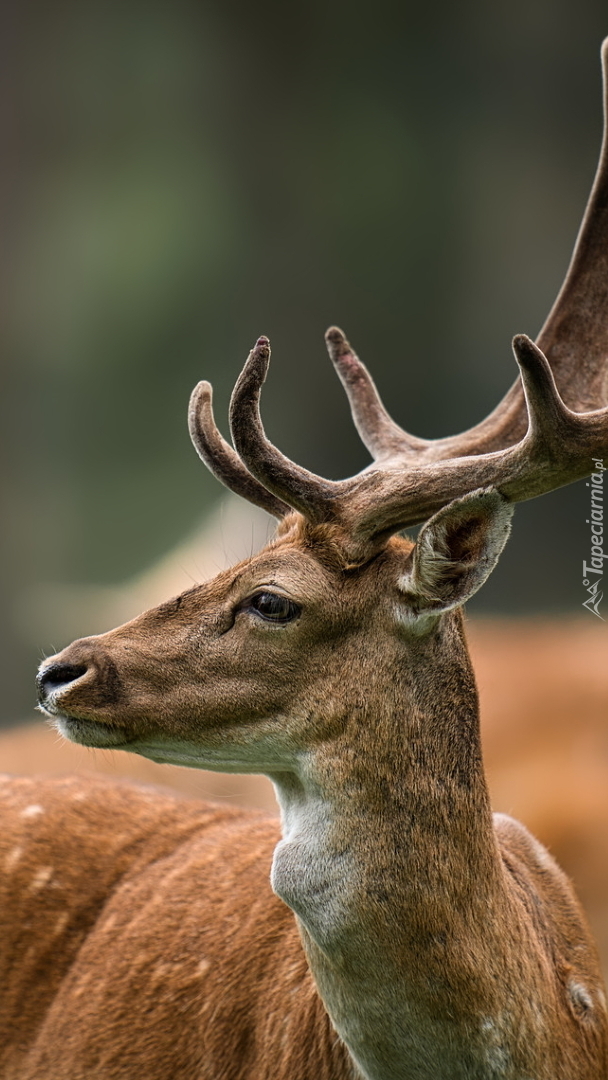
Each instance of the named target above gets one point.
<point>57,675</point>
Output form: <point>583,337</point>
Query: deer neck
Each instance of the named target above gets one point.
<point>390,863</point>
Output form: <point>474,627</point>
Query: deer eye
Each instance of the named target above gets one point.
<point>274,607</point>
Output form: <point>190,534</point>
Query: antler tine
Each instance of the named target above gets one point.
<point>560,444</point>
<point>547,415</point>
<point>377,430</point>
<point>221,459</point>
<point>301,489</point>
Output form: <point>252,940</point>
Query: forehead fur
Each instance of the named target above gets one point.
<point>329,544</point>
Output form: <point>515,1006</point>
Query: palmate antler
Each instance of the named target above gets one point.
<point>538,438</point>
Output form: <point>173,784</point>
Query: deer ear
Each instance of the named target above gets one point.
<point>456,551</point>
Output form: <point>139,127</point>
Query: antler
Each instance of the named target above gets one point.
<point>538,438</point>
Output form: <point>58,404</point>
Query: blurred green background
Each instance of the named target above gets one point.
<point>178,178</point>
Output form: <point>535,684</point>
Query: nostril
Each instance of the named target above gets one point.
<point>58,675</point>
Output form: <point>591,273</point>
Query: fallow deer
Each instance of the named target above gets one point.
<point>431,941</point>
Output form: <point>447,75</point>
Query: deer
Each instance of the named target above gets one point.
<point>404,932</point>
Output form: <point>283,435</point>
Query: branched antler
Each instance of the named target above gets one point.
<point>538,438</point>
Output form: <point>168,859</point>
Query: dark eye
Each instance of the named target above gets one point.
<point>274,607</point>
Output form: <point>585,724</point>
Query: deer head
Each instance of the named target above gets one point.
<point>225,675</point>
<point>228,664</point>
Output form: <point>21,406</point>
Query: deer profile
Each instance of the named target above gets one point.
<point>406,933</point>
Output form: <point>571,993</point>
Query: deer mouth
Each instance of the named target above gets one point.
<point>67,692</point>
<point>86,732</point>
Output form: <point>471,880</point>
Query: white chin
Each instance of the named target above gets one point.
<point>87,732</point>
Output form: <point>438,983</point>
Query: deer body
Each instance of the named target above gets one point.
<point>430,942</point>
<point>419,919</point>
<point>143,961</point>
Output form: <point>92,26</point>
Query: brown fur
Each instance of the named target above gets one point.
<point>124,952</point>
<point>444,946</point>
<point>465,915</point>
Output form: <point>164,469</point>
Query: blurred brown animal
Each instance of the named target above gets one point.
<point>436,941</point>
<point>545,740</point>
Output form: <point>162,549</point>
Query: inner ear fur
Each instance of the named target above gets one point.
<point>456,551</point>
